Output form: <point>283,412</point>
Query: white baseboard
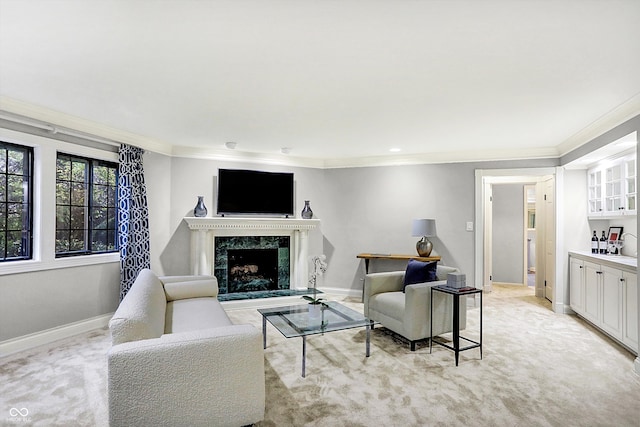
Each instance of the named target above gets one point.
<point>47,336</point>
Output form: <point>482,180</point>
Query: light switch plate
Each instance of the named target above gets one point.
<point>469,226</point>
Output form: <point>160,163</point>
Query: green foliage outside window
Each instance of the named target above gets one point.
<point>16,163</point>
<point>86,203</point>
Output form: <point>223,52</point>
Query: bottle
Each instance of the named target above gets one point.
<point>594,243</point>
<point>603,244</point>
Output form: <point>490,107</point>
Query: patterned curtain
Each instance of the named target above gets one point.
<point>133,217</point>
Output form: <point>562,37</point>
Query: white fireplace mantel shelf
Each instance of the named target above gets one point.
<point>237,223</point>
<point>204,230</point>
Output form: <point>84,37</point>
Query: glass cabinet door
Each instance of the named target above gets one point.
<point>630,185</point>
<point>595,192</point>
<point>614,202</point>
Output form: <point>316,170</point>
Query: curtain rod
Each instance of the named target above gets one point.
<point>54,129</point>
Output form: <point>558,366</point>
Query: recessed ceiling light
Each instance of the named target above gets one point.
<point>395,150</point>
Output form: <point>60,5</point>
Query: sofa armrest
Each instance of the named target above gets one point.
<point>206,377</point>
<point>375,283</point>
<point>183,287</point>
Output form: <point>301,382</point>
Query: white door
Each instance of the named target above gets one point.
<point>488,237</point>
<point>549,239</point>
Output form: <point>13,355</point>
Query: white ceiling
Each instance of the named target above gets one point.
<point>339,82</point>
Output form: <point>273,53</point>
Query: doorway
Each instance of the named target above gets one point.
<point>546,256</point>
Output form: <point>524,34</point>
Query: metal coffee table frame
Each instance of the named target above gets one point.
<point>296,321</point>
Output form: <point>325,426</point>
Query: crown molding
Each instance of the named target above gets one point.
<point>245,157</point>
<point>56,119</point>
<point>615,117</point>
<point>468,156</point>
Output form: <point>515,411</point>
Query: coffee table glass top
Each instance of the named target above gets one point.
<point>295,320</point>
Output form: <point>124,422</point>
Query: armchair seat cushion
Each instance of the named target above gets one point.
<point>390,304</point>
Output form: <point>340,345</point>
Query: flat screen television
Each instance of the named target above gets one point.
<point>250,192</point>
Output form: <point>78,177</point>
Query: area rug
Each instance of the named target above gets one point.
<point>538,369</point>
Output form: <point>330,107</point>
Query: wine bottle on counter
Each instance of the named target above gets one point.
<point>603,244</point>
<point>594,243</point>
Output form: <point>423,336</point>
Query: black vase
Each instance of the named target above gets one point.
<point>200,210</point>
<point>307,213</point>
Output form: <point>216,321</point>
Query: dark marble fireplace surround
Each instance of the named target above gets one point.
<point>252,263</point>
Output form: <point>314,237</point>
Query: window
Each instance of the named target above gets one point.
<point>86,206</point>
<point>16,211</point>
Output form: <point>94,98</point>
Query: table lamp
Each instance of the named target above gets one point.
<point>424,228</point>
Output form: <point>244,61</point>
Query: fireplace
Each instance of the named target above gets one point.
<point>251,270</point>
<point>206,231</point>
<point>252,263</point>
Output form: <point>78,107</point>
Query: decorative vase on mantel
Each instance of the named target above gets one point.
<point>307,213</point>
<point>200,210</point>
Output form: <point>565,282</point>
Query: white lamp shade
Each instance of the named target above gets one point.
<point>424,227</point>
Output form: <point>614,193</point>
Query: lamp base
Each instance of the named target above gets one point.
<point>424,247</point>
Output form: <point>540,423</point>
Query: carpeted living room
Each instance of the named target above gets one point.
<point>288,213</point>
<point>530,374</point>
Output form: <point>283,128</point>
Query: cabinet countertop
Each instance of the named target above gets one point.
<point>614,260</point>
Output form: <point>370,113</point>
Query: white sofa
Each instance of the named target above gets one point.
<point>177,360</point>
<point>407,313</point>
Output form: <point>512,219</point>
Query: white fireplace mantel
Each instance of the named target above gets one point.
<point>204,230</point>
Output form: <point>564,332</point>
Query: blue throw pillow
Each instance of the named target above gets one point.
<point>420,272</point>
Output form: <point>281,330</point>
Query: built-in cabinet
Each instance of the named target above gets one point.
<point>606,295</point>
<point>612,188</point>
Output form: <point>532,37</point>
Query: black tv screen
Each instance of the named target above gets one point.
<point>255,192</point>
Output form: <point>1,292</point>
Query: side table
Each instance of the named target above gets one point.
<point>456,293</point>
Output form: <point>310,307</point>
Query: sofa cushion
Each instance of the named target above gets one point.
<point>191,289</point>
<point>196,313</point>
<point>141,313</point>
<point>419,272</point>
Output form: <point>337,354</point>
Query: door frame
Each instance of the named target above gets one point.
<point>484,177</point>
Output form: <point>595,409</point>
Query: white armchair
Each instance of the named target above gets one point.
<point>407,313</point>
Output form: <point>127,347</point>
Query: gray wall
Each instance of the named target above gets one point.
<point>508,233</point>
<point>32,302</point>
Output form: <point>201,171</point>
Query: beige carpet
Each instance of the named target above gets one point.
<point>539,369</point>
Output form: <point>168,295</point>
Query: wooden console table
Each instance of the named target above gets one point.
<point>368,257</point>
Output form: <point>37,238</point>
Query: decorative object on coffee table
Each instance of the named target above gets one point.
<point>306,213</point>
<point>200,210</point>
<point>319,268</point>
<point>425,228</point>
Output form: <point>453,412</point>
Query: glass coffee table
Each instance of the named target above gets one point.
<point>296,321</point>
